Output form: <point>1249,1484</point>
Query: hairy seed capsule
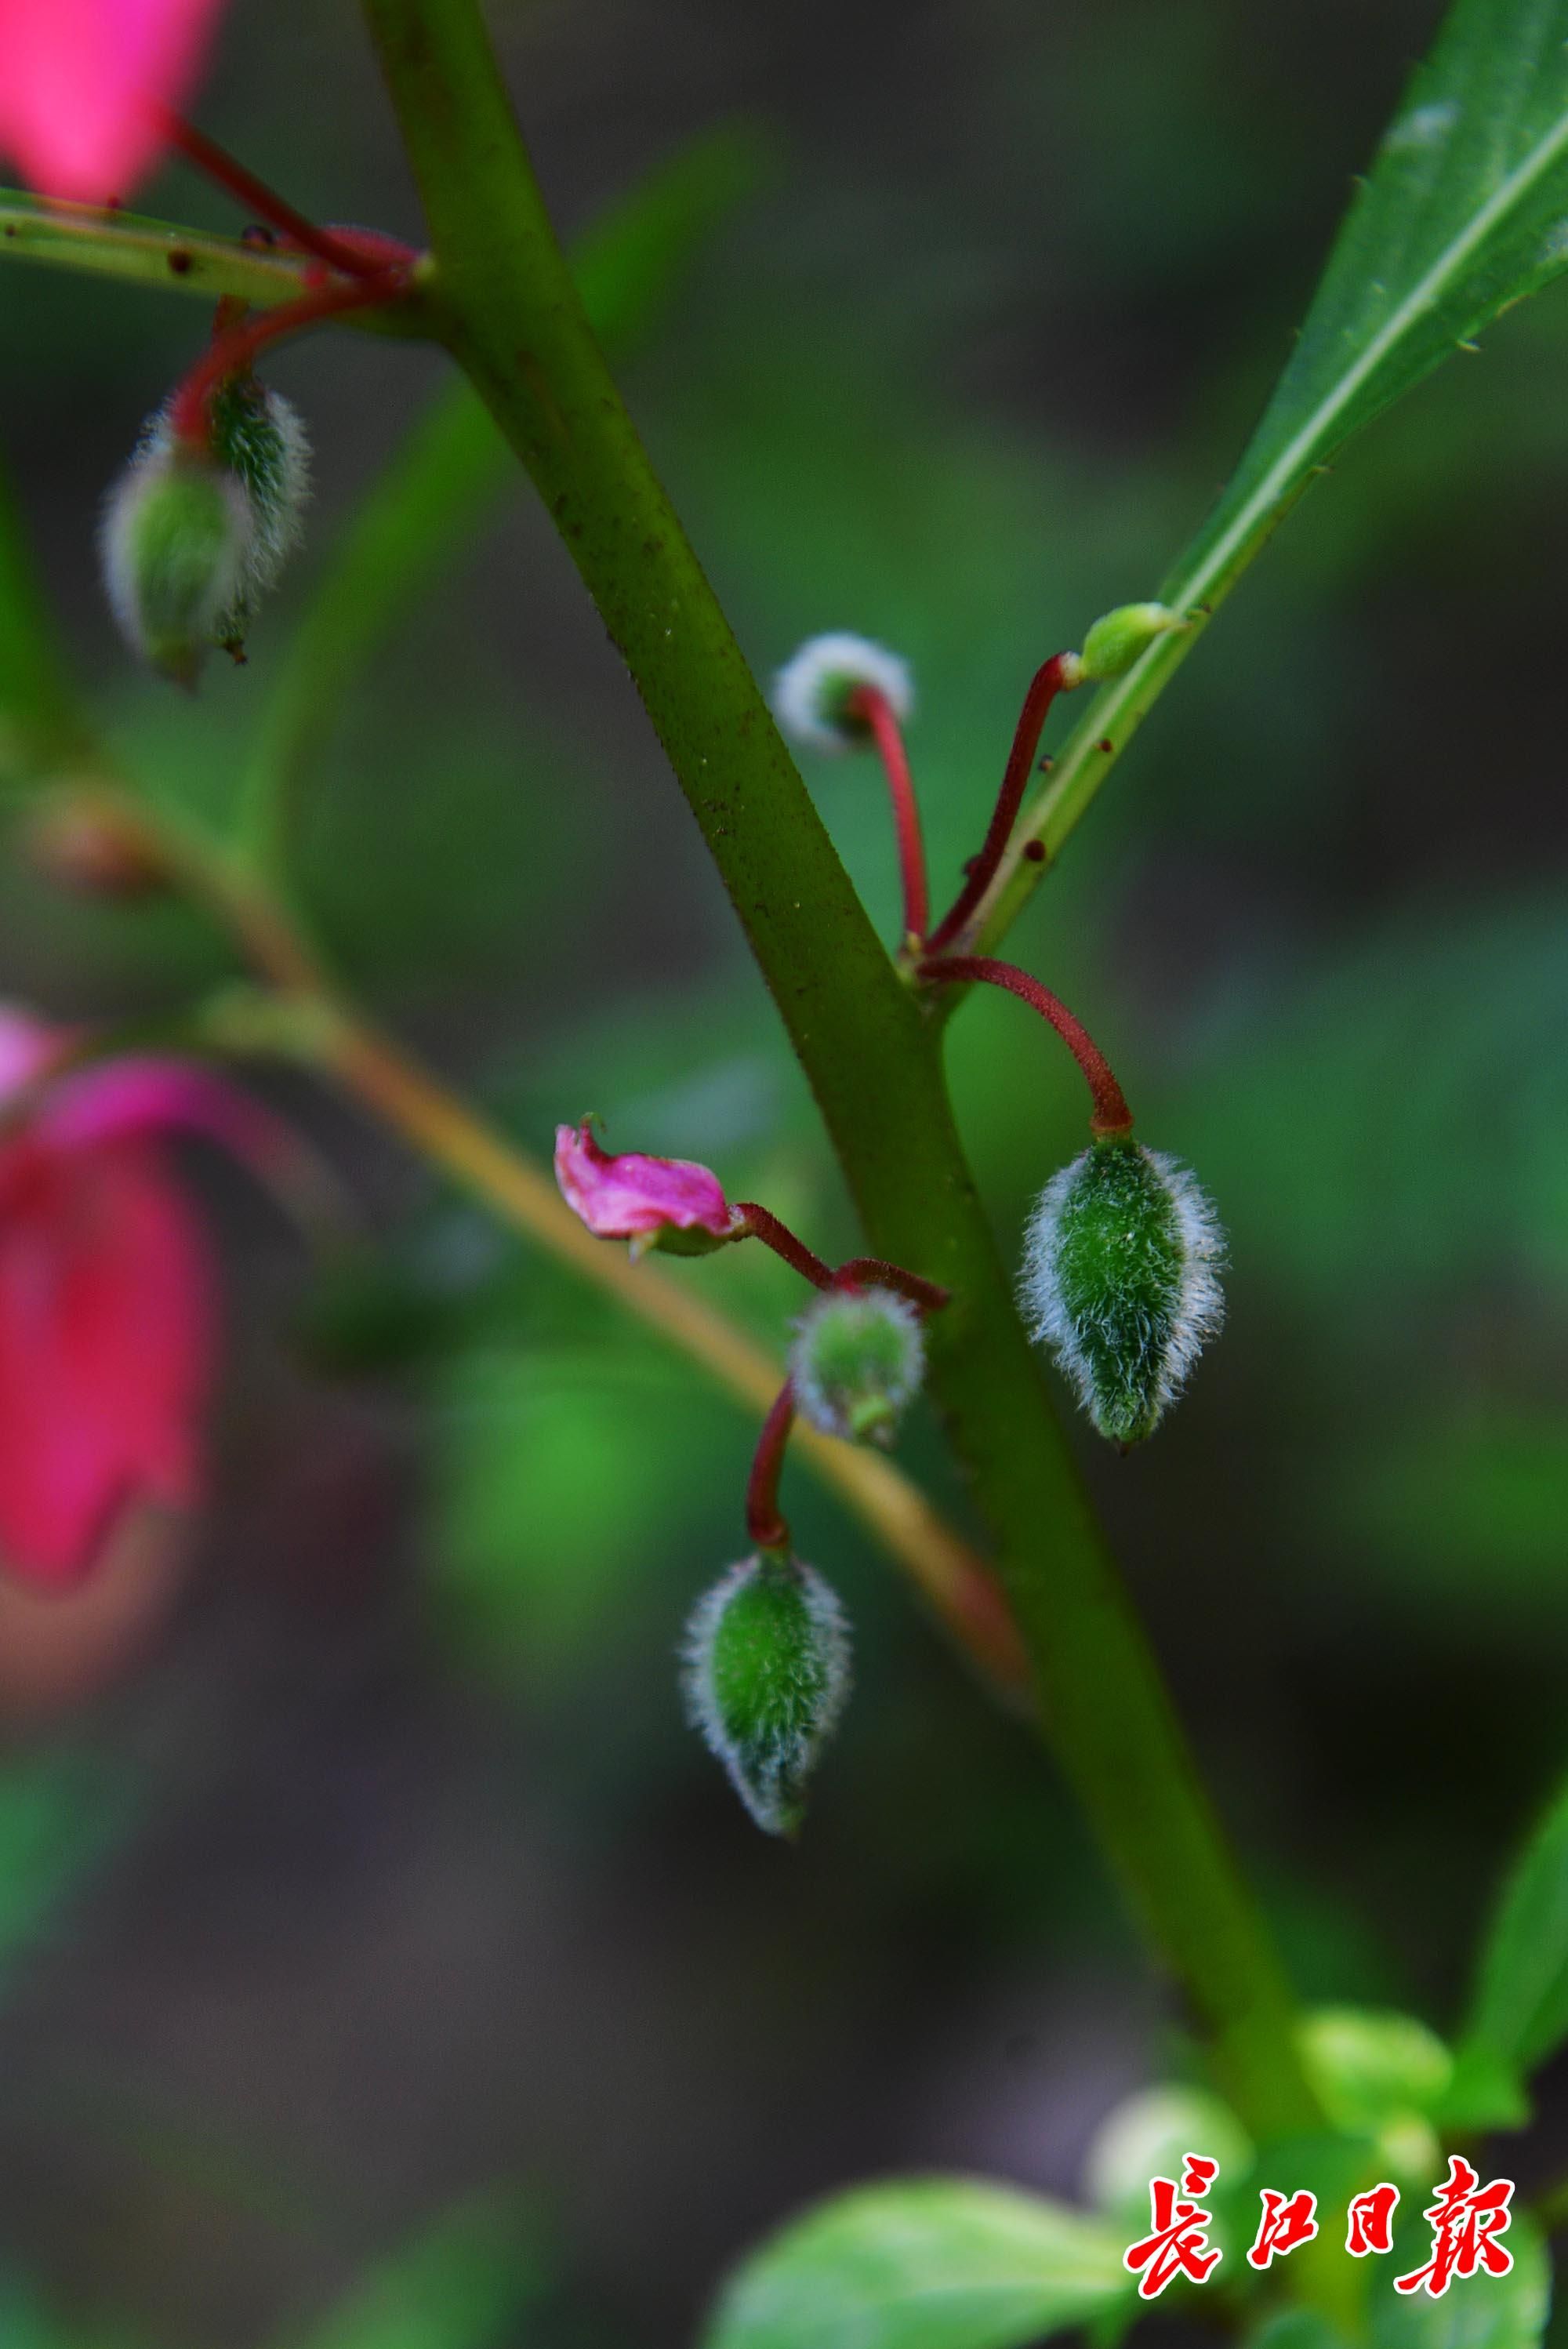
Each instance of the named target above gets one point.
<point>1120,1280</point>
<point>766,1677</point>
<point>176,534</point>
<point>857,1363</point>
<point>811,692</point>
<point>192,538</point>
<point>258,436</point>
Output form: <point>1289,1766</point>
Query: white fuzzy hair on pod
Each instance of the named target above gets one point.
<point>152,462</point>
<point>1200,1308</point>
<point>815,1399</point>
<point>811,686</point>
<point>768,1772</point>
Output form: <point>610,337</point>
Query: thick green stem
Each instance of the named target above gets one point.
<point>506,304</point>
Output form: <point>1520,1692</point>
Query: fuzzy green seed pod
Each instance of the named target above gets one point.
<point>766,1677</point>
<point>192,538</point>
<point>1116,639</point>
<point>858,1361</point>
<point>257,436</point>
<point>176,534</point>
<point>1120,1280</point>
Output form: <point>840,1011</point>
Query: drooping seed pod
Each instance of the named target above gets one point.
<point>857,1362</point>
<point>765,1676</point>
<point>259,437</point>
<point>1120,1279</point>
<point>813,691</point>
<point>176,537</point>
<point>192,537</point>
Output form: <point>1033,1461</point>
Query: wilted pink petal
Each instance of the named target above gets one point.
<point>138,1095</point>
<point>26,1048</point>
<point>628,1196</point>
<point>81,82</point>
<point>107,1321</point>
<point>107,1292</point>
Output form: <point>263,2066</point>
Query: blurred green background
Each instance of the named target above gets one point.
<point>367,1868</point>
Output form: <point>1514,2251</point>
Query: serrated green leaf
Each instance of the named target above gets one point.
<point>922,2264</point>
<point>1479,2311</point>
<point>1520,2010</point>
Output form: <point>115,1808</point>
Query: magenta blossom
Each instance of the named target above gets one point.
<point>669,1202</point>
<point>83,84</point>
<point>108,1294</point>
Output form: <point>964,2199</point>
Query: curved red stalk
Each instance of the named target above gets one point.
<point>870,707</point>
<point>339,252</point>
<point>762,1226</point>
<point>875,1272</point>
<point>1052,677</point>
<point>766,1528</point>
<point>234,353</point>
<point>1111,1114</point>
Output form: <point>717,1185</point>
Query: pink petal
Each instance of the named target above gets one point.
<point>107,1340</point>
<point>138,1094</point>
<point>621,1197</point>
<point>80,81</point>
<point>27,1045</point>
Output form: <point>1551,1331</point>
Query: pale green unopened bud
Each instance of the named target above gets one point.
<point>1120,1280</point>
<point>176,535</point>
<point>1116,639</point>
<point>1148,2135</point>
<point>766,1677</point>
<point>192,538</point>
<point>858,1361</point>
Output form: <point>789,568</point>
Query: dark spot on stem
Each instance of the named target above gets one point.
<point>180,262</point>
<point>1105,744</point>
<point>1046,765</point>
<point>1035,850</point>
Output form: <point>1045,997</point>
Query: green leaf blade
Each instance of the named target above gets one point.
<point>1463,212</point>
<point>922,2264</point>
<point>1479,2312</point>
<point>1520,2010</point>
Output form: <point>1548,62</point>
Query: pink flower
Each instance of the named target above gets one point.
<point>645,1200</point>
<point>82,84</point>
<point>108,1294</point>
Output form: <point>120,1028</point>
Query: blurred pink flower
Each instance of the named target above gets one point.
<point>82,83</point>
<point>639,1199</point>
<point>108,1294</point>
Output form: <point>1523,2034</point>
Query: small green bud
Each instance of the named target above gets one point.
<point>192,538</point>
<point>176,536</point>
<point>1115,641</point>
<point>765,1678</point>
<point>1148,2135</point>
<point>1120,1280</point>
<point>858,1361</point>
